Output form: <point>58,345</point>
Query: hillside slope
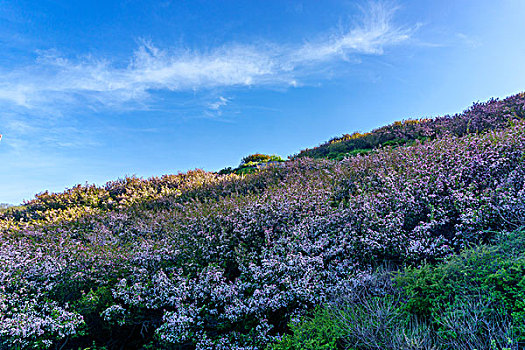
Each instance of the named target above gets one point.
<point>207,261</point>
<point>481,117</point>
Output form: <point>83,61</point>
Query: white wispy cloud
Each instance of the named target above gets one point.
<point>222,101</point>
<point>54,80</point>
<point>369,35</point>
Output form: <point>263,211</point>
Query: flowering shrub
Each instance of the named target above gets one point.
<point>205,261</point>
<point>31,323</point>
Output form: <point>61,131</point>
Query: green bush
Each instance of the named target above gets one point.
<point>320,331</point>
<point>491,275</point>
<point>256,158</point>
<point>395,142</point>
<point>92,303</point>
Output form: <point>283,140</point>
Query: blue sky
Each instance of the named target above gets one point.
<point>92,91</point>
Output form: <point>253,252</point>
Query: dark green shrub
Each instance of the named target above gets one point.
<point>395,142</point>
<point>226,171</point>
<point>91,304</point>
<point>359,151</point>
<point>320,331</point>
<point>491,275</point>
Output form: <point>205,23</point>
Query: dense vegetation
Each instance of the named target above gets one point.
<point>474,300</point>
<point>492,115</point>
<point>211,261</point>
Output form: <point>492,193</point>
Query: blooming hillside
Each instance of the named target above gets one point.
<point>209,261</point>
<point>492,115</point>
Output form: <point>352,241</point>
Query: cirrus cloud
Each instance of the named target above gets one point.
<point>54,80</point>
